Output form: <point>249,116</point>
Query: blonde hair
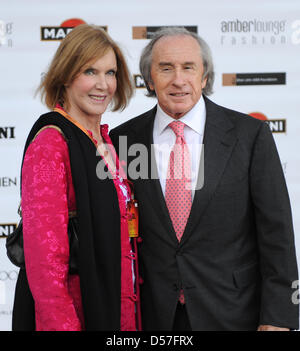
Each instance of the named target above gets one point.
<point>83,45</point>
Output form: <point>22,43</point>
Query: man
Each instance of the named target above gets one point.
<point>217,253</point>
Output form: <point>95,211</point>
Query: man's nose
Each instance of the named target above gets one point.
<point>178,78</point>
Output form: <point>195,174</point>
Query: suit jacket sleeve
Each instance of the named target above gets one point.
<point>275,233</point>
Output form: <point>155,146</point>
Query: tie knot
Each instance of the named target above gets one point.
<point>178,128</point>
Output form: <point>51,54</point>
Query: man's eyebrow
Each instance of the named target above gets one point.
<point>165,63</point>
<point>190,63</point>
<point>171,64</point>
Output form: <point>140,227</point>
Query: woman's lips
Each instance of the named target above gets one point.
<point>97,97</point>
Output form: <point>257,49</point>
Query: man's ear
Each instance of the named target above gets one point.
<point>151,85</point>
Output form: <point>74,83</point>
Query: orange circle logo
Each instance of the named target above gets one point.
<point>72,22</point>
<point>259,115</point>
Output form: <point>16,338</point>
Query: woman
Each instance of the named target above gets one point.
<point>63,149</point>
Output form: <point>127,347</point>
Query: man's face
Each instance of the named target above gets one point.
<point>176,73</point>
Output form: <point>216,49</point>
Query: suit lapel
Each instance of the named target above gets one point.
<point>151,187</point>
<point>219,141</point>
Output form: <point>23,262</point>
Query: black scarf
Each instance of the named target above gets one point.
<point>99,236</point>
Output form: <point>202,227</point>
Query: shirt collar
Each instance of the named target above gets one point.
<point>195,118</point>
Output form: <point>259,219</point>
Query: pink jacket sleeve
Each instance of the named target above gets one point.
<point>45,219</point>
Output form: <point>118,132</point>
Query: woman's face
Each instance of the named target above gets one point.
<point>92,90</point>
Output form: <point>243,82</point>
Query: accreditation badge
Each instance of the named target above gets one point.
<point>133,218</point>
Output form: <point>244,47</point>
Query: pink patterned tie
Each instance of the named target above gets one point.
<point>178,194</point>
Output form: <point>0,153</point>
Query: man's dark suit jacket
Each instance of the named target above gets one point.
<point>236,260</point>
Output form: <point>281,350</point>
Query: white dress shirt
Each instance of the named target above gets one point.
<point>164,139</point>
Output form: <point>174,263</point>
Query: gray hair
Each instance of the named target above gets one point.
<point>146,57</point>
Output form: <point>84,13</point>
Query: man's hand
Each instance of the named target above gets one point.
<point>270,328</point>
